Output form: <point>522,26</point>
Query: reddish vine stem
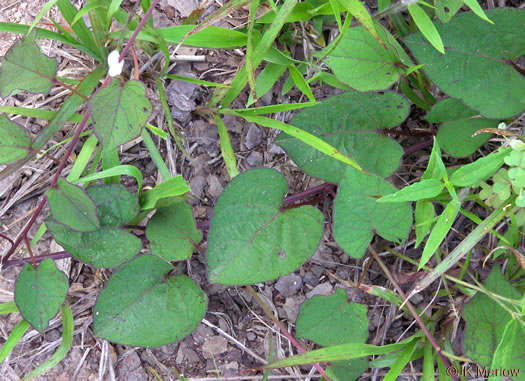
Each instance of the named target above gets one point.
<point>37,258</point>
<point>28,245</point>
<point>80,128</point>
<point>412,309</point>
<point>419,146</point>
<point>23,234</point>
<point>137,30</point>
<point>284,331</point>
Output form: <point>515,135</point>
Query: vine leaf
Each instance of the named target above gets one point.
<point>119,112</point>
<point>251,238</point>
<point>511,349</point>
<point>111,244</point>
<point>333,320</point>
<point>362,63</point>
<point>71,206</point>
<point>352,123</point>
<point>25,68</point>
<point>357,215</point>
<point>14,141</point>
<point>459,123</point>
<point>486,321</point>
<point>40,292</point>
<point>143,305</point>
<point>446,9</point>
<point>477,66</point>
<point>172,233</point>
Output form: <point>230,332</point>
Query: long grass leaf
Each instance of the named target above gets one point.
<point>155,154</point>
<point>267,40</point>
<point>305,137</point>
<point>13,338</point>
<point>341,352</point>
<point>226,148</point>
<point>65,346</point>
<point>118,170</point>
<point>41,13</point>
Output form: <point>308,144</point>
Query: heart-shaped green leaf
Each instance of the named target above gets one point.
<point>14,141</point>
<point>362,63</point>
<point>25,68</point>
<point>459,124</point>
<point>446,9</point>
<point>357,215</point>
<point>40,292</point>
<point>476,66</point>
<point>455,137</point>
<point>72,207</point>
<point>111,244</point>
<point>143,305</point>
<point>119,112</point>
<point>116,206</point>
<point>252,238</point>
<point>352,123</point>
<point>486,320</point>
<point>171,232</point>
<point>449,109</point>
<point>332,320</point>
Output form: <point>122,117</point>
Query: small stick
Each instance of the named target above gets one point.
<point>283,330</point>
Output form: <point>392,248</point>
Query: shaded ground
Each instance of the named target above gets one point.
<point>235,334</point>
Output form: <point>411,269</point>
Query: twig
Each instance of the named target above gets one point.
<point>235,341</point>
<point>284,331</point>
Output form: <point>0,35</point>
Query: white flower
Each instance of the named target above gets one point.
<point>115,67</point>
<point>502,126</point>
<point>517,144</point>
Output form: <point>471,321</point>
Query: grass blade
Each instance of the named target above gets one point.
<point>114,171</point>
<point>155,154</point>
<point>465,246</point>
<point>358,10</point>
<point>83,158</point>
<point>268,109</point>
<point>44,33</point>
<point>45,8</point>
<point>478,11</point>
<point>7,308</point>
<point>303,136</point>
<point>226,148</point>
<point>14,337</point>
<point>300,82</point>
<point>268,38</point>
<point>69,11</point>
<point>65,346</point>
<point>195,81</point>
<point>440,231</point>
<point>341,352</point>
<point>426,27</point>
